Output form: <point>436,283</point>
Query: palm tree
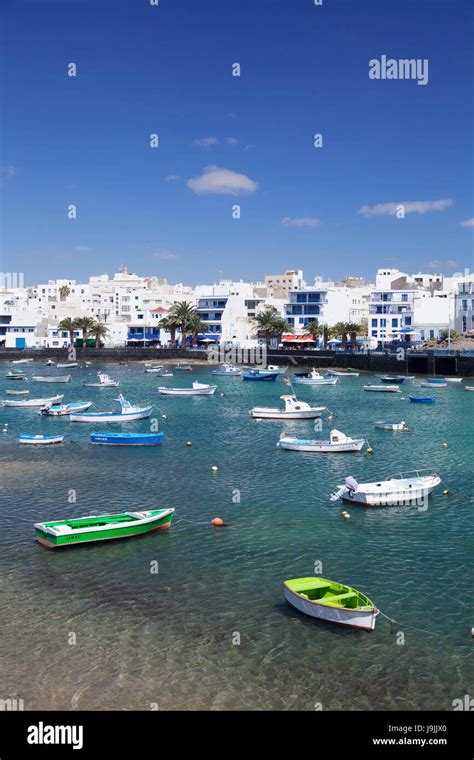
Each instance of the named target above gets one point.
<point>64,292</point>
<point>85,324</point>
<point>98,331</point>
<point>182,312</point>
<point>339,330</point>
<point>68,324</point>
<point>280,326</point>
<point>170,325</point>
<point>196,325</point>
<point>265,324</point>
<point>354,330</point>
<point>314,330</point>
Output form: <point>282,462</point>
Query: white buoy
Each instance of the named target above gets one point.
<point>214,468</point>
<point>345,515</point>
<point>163,416</point>
<point>189,443</point>
<point>445,445</point>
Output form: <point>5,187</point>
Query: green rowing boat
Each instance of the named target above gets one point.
<point>101,527</point>
<point>332,601</point>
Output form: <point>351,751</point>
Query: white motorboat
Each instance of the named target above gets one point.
<point>62,410</point>
<point>40,439</point>
<point>433,385</point>
<point>32,402</point>
<point>197,389</point>
<point>293,410</point>
<point>104,382</point>
<point>154,368</point>
<point>338,373</point>
<point>314,378</point>
<point>17,393</point>
<point>453,379</point>
<point>338,443</point>
<point>124,412</point>
<point>68,364</point>
<point>50,379</point>
<point>276,368</point>
<point>382,388</point>
<point>21,361</point>
<point>399,490</point>
<point>227,370</point>
<point>383,425</point>
<point>183,368</point>
<point>50,363</point>
<point>469,388</point>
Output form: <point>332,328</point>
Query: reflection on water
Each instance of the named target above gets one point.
<point>172,638</point>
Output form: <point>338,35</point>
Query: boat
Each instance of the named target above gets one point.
<point>383,425</point>
<point>339,373</point>
<point>453,379</point>
<point>257,375</point>
<point>16,374</point>
<point>398,379</point>
<point>49,363</point>
<point>227,370</point>
<point>293,410</point>
<point>437,381</point>
<point>197,389</point>
<point>276,368</point>
<point>467,388</point>
<point>422,399</point>
<point>156,368</point>
<point>17,393</point>
<point>104,382</point>
<point>124,412</point>
<point>21,361</point>
<point>433,385</point>
<point>81,530</point>
<point>61,410</point>
<point>32,402</point>
<point>398,490</point>
<point>165,374</point>
<point>68,364</point>
<point>338,443</point>
<point>127,439</point>
<point>382,388</point>
<point>314,378</point>
<point>335,602</point>
<point>183,368</point>
<point>40,439</point>
<point>51,379</point>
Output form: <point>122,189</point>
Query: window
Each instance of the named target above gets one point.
<point>395,322</point>
<point>314,297</point>
<point>464,305</point>
<point>404,296</point>
<point>383,323</point>
<point>374,323</point>
<point>408,320</point>
<point>374,333</point>
<point>301,298</point>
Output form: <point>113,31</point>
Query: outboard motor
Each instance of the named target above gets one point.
<point>351,485</point>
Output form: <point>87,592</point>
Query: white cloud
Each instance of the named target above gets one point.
<point>165,255</point>
<point>468,222</point>
<point>409,207</point>
<point>300,221</point>
<point>220,181</point>
<point>232,141</point>
<point>172,178</point>
<point>205,142</point>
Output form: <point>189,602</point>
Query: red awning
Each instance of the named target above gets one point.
<point>297,339</point>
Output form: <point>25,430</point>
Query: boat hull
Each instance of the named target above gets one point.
<point>415,494</point>
<point>276,414</point>
<point>360,619</point>
<point>111,417</point>
<point>312,381</point>
<point>43,440</point>
<point>382,388</point>
<point>187,391</point>
<point>269,377</point>
<point>322,447</point>
<point>133,439</point>
<point>32,402</point>
<point>39,379</point>
<point>160,521</point>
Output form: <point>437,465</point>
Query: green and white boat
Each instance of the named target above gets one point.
<point>81,530</point>
<point>335,602</point>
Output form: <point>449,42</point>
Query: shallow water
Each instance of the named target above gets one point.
<point>171,639</point>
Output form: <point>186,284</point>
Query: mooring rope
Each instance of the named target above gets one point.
<point>414,628</point>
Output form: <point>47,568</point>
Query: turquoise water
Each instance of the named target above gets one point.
<point>169,638</point>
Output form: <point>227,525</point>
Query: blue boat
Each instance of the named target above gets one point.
<point>392,378</point>
<point>259,376</point>
<point>40,439</point>
<point>423,399</point>
<point>436,380</point>
<point>127,439</point>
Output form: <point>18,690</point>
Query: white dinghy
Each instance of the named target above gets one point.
<point>383,425</point>
<point>40,439</point>
<point>50,379</point>
<point>338,443</point>
<point>399,490</point>
<point>314,378</point>
<point>293,410</point>
<point>197,389</point>
<point>32,402</point>
<point>382,388</point>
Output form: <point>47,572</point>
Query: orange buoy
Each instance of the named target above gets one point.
<point>218,521</point>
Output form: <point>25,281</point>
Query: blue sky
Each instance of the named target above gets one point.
<point>168,70</point>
